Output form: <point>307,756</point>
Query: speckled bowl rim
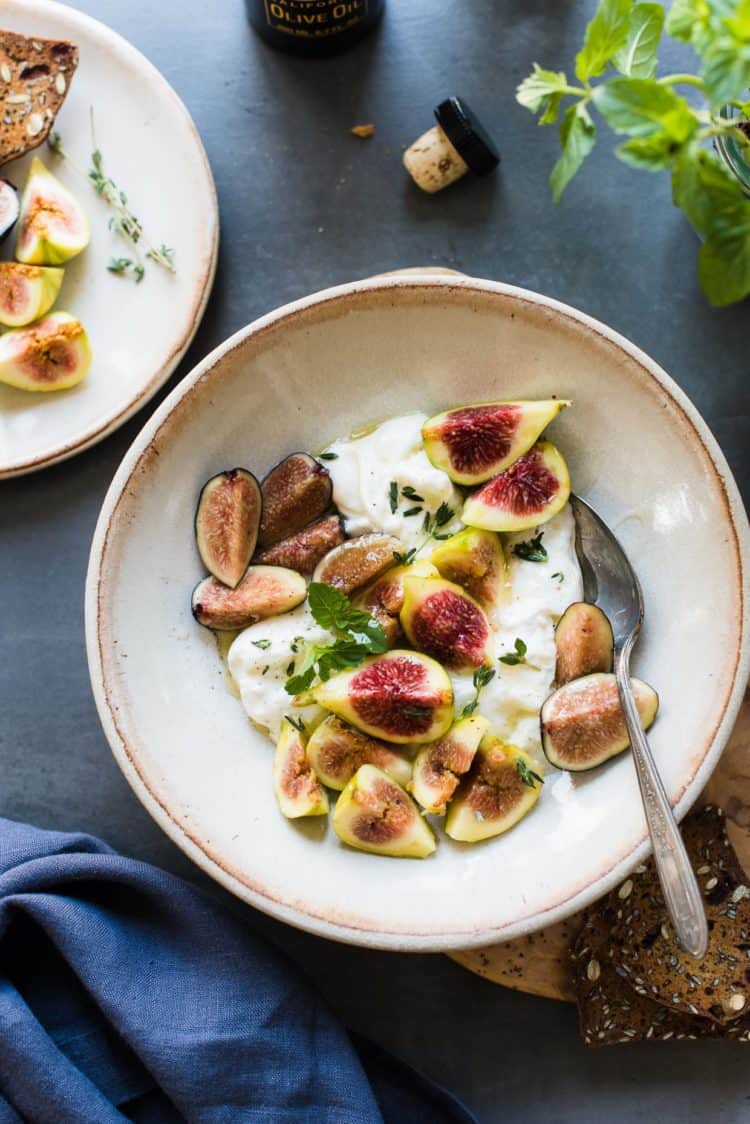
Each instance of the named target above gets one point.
<point>108,526</point>
<point>110,40</point>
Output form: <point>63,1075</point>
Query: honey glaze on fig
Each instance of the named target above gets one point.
<point>47,354</point>
<point>495,787</point>
<point>524,488</point>
<point>478,436</point>
<point>450,629</point>
<point>394,695</point>
<point>384,813</point>
<point>297,779</point>
<point>44,214</point>
<point>13,291</point>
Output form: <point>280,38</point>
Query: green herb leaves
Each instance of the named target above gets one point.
<point>357,636</point>
<point>531,550</point>
<point>663,129</point>
<point>393,496</point>
<point>482,676</point>
<point>527,775</point>
<point>518,656</point>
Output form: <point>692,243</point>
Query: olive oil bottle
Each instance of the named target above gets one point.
<point>313,27</point>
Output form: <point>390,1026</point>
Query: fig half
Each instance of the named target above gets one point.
<point>473,443</point>
<point>530,492</point>
<point>52,354</point>
<point>295,785</point>
<point>384,599</point>
<point>374,814</point>
<point>53,227</point>
<point>226,524</point>
<point>584,642</point>
<point>296,492</point>
<point>336,750</point>
<point>473,559</point>
<point>356,562</point>
<point>264,591</point>
<point>27,292</point>
<point>400,697</point>
<point>10,207</point>
<point>439,767</point>
<point>303,551</point>
<point>441,619</point>
<point>500,788</point>
<point>583,724</point>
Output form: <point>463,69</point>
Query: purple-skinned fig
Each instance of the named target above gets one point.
<point>226,524</point>
<point>584,642</point>
<point>441,619</point>
<point>357,562</point>
<point>530,492</point>
<point>295,493</point>
<point>10,208</point>
<point>583,724</point>
<point>374,814</point>
<point>473,443</point>
<point>302,552</point>
<point>264,591</point>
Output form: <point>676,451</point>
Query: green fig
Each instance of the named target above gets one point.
<point>384,598</point>
<point>297,789</point>
<point>530,492</point>
<point>27,292</point>
<point>374,814</point>
<point>498,791</point>
<point>441,619</point>
<point>52,354</point>
<point>439,767</point>
<point>53,227</point>
<point>473,559</point>
<point>336,750</point>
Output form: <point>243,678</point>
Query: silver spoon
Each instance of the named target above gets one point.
<point>610,582</point>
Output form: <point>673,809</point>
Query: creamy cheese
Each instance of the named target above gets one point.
<point>364,469</point>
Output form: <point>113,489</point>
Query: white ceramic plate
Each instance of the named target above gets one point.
<point>138,333</point>
<point>298,377</point>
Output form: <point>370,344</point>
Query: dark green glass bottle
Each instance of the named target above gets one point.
<point>313,27</point>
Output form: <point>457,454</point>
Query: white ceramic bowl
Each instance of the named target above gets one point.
<point>637,449</point>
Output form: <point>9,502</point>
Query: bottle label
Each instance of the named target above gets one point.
<point>315,19</point>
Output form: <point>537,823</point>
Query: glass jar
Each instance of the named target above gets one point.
<point>735,155</point>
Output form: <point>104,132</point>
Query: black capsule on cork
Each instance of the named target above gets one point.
<point>468,135</point>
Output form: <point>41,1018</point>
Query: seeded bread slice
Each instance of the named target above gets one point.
<point>35,75</point>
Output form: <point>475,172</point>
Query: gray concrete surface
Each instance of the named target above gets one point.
<point>304,205</point>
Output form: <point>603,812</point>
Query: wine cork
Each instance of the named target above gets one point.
<point>432,161</point>
<point>458,144</point>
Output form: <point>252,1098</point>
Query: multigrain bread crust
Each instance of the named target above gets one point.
<point>35,75</point>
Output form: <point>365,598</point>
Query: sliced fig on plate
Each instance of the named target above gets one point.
<point>473,443</point>
<point>399,697</point>
<point>473,559</point>
<point>441,619</point>
<point>226,524</point>
<point>583,724</point>
<point>52,354</point>
<point>498,791</point>
<point>439,767</point>
<point>384,599</point>
<point>303,551</point>
<point>530,492</point>
<point>336,750</point>
<point>52,227</point>
<point>584,642</point>
<point>374,814</point>
<point>27,292</point>
<point>264,591</point>
<point>295,493</point>
<point>297,789</point>
<point>10,208</point>
<point>357,561</point>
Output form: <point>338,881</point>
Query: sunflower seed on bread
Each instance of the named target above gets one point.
<point>35,75</point>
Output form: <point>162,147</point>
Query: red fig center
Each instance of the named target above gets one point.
<point>524,488</point>
<point>451,628</point>
<point>478,436</point>
<point>395,696</point>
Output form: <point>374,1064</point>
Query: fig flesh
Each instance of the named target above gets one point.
<point>399,697</point>
<point>473,559</point>
<point>226,524</point>
<point>295,493</point>
<point>336,750</point>
<point>264,591</point>
<point>303,551</point>
<point>52,354</point>
<point>27,292</point>
<point>500,788</point>
<point>357,561</point>
<point>473,443</point>
<point>52,226</point>
<point>439,767</point>
<point>441,619</point>
<point>297,789</point>
<point>384,599</point>
<point>584,642</point>
<point>583,724</point>
<point>10,207</point>
<point>374,814</point>
<point>530,492</point>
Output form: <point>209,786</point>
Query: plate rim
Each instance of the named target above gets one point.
<point>397,940</point>
<point>97,432</point>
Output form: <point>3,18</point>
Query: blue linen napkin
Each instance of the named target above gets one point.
<point>126,994</point>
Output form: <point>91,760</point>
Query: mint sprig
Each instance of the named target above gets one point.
<point>357,636</point>
<point>662,129</point>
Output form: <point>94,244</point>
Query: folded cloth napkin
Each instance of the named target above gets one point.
<point>126,994</point>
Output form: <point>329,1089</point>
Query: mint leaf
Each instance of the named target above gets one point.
<point>606,34</point>
<point>703,188</point>
<point>327,605</point>
<point>726,70</point>
<point>577,137</point>
<point>638,57</point>
<point>296,684</point>
<point>649,153</point>
<point>724,266</point>
<point>687,20</point>
<point>531,550</point>
<point>541,92</point>
<point>641,106</point>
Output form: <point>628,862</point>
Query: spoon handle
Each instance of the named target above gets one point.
<point>678,882</point>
